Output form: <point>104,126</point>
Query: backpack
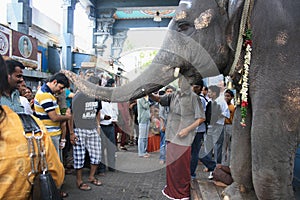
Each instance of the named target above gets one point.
<point>212,112</point>
<point>207,111</point>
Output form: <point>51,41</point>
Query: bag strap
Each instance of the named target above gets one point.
<point>203,97</point>
<point>31,130</point>
<point>29,124</point>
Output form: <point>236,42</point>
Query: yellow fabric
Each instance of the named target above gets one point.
<point>15,161</point>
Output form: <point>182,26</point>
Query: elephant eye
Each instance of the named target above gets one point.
<point>183,26</point>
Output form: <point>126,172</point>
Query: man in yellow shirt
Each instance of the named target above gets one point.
<point>226,151</point>
<point>47,109</point>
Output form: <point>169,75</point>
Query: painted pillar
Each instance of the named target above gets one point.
<point>104,23</point>
<point>67,33</point>
<point>19,15</point>
<point>119,38</point>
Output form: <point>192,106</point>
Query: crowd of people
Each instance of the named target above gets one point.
<point>194,123</point>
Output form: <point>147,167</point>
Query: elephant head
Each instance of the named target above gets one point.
<point>198,44</point>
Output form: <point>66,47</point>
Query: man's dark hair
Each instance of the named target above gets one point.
<point>199,82</point>
<point>161,92</point>
<point>3,76</point>
<point>228,91</point>
<point>170,87</point>
<point>215,89</point>
<point>3,85</point>
<point>29,88</point>
<point>60,78</point>
<point>11,65</point>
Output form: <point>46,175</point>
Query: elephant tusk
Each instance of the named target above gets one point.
<point>226,198</point>
<point>176,72</point>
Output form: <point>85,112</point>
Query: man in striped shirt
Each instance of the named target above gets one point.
<point>47,108</point>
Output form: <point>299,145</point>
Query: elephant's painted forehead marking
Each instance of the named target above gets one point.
<point>292,108</point>
<point>180,15</point>
<point>281,38</point>
<point>293,98</point>
<point>183,6</point>
<point>204,19</point>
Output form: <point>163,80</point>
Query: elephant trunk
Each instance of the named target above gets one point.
<point>152,79</point>
<point>178,51</point>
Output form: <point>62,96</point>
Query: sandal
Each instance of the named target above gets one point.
<point>146,155</point>
<point>84,187</point>
<point>96,182</point>
<point>63,194</point>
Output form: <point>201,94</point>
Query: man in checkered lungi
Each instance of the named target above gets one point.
<point>85,135</point>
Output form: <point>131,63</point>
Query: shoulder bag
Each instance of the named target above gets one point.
<point>43,185</point>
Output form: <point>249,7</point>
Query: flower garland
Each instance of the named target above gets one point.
<point>245,84</point>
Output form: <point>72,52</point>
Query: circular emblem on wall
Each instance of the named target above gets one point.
<point>25,46</point>
<point>3,44</point>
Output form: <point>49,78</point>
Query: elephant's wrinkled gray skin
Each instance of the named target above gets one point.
<point>201,41</point>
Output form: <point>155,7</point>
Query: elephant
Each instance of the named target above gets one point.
<point>203,41</point>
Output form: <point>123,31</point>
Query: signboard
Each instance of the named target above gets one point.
<point>24,46</point>
<point>5,38</point>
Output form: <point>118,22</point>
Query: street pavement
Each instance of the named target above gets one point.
<point>135,179</point>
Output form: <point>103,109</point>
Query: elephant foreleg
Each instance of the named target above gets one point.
<point>273,153</point>
<point>240,161</point>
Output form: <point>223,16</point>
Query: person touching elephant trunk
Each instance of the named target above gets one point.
<point>185,114</point>
<point>205,38</point>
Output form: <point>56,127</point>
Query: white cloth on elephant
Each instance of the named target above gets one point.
<point>210,139</point>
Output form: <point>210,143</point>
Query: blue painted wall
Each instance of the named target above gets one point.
<point>44,58</point>
<point>78,58</point>
<point>53,60</point>
<point>296,181</point>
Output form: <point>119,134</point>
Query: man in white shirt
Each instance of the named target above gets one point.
<point>108,142</point>
<point>214,137</point>
<point>24,101</point>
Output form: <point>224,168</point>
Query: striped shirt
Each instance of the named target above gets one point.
<point>44,102</point>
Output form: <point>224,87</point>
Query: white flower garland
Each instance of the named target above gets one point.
<point>245,85</point>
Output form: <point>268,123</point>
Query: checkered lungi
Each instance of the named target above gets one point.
<point>89,140</point>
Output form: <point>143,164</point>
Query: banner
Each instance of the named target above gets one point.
<point>5,38</point>
<point>24,46</point>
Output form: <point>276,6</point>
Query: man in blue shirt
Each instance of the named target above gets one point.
<point>11,97</point>
<point>200,131</point>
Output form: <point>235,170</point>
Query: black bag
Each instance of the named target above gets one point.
<point>43,187</point>
<point>212,113</point>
